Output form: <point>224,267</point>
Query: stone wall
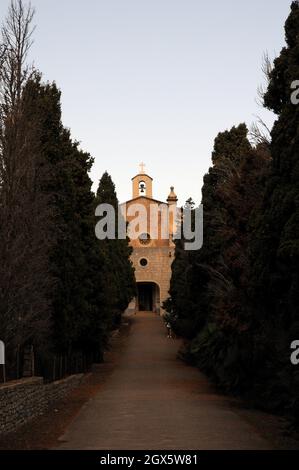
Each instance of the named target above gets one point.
<point>25,399</point>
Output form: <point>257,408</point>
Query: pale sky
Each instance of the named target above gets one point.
<point>155,80</point>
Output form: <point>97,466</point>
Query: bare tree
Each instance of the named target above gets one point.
<point>14,73</point>
<point>17,34</point>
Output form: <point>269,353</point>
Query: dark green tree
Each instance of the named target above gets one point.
<point>275,247</point>
<point>119,278</point>
<point>209,286</point>
<point>191,298</point>
<point>78,317</point>
<point>25,214</point>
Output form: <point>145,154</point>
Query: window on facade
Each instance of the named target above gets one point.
<point>144,239</point>
<point>142,188</point>
<point>143,262</point>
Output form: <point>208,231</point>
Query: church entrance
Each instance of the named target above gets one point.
<point>148,299</point>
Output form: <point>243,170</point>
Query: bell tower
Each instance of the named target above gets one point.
<point>142,184</point>
<point>152,247</point>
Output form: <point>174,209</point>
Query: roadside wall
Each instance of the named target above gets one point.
<point>25,399</point>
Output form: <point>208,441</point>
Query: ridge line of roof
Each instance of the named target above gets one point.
<point>142,174</point>
<point>144,197</point>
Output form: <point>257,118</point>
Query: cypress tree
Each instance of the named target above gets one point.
<point>214,280</point>
<point>275,248</point>
<point>119,278</point>
<point>78,319</point>
<point>192,271</point>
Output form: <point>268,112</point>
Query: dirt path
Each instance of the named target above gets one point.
<point>154,401</point>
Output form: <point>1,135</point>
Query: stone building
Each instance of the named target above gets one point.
<point>153,249</point>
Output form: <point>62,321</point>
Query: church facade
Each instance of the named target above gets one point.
<point>153,249</point>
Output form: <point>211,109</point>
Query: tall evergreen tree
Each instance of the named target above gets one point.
<point>192,285</point>
<point>275,248</point>
<point>53,272</point>
<point>78,318</point>
<point>214,280</point>
<point>25,214</point>
<point>119,278</point>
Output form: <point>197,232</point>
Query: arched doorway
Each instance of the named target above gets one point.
<point>148,297</point>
